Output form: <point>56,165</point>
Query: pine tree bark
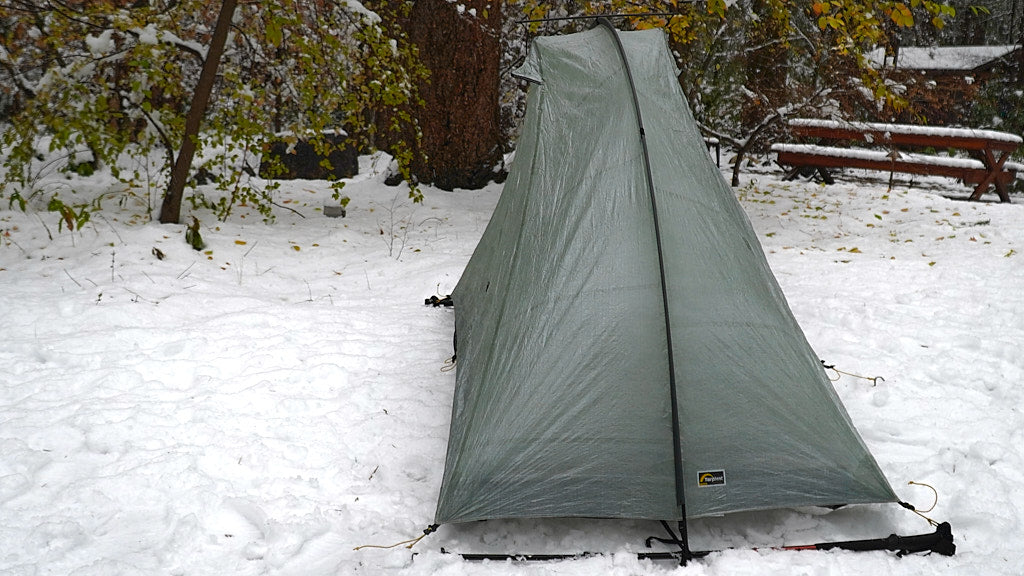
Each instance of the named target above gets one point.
<point>170,210</point>
<point>460,45</point>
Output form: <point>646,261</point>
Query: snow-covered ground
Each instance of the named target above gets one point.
<point>268,405</point>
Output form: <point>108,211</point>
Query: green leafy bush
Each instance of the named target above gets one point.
<point>99,76</point>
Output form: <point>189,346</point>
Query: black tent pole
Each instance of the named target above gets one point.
<point>938,542</point>
<point>677,450</point>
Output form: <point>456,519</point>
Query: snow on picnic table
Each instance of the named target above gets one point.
<point>908,129</point>
<point>268,405</point>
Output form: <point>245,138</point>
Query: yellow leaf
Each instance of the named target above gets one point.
<point>240,242</point>
<point>296,248</point>
<point>901,15</point>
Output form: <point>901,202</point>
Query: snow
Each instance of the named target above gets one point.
<point>102,44</point>
<point>269,405</point>
<point>965,58</point>
<point>915,129</point>
<point>358,7</point>
<point>148,35</point>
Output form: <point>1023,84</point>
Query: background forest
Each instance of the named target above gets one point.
<point>110,85</point>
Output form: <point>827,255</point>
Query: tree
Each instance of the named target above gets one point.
<point>460,143</point>
<point>116,83</point>
<point>977,22</point>
<point>170,212</point>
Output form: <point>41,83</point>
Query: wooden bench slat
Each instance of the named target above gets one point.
<point>880,155</point>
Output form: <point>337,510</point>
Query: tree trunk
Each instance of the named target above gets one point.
<point>461,120</point>
<point>170,211</point>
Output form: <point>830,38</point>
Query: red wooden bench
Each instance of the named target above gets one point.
<point>987,165</point>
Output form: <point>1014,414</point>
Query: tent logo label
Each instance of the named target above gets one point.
<point>711,478</point>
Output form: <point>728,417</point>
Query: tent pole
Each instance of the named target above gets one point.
<point>677,450</point>
<point>938,542</point>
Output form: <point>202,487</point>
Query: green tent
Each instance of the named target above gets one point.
<point>624,350</point>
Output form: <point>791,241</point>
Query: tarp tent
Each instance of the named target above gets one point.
<point>613,367</point>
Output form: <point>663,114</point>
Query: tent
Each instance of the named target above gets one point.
<point>624,350</point>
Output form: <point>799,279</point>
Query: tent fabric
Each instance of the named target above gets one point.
<point>562,403</point>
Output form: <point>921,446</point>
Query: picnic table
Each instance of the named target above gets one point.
<point>986,165</point>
